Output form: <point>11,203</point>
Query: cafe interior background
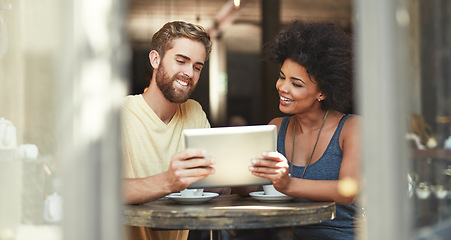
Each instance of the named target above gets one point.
<point>66,65</point>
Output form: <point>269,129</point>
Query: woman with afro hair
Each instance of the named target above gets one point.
<point>318,140</point>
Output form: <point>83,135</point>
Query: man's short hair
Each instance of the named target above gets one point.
<point>163,40</point>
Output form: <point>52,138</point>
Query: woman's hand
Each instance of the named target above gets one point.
<point>273,166</point>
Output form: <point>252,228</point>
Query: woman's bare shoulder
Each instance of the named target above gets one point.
<point>352,125</point>
<point>353,120</point>
<point>276,121</point>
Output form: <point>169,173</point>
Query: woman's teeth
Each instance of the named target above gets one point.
<point>285,99</point>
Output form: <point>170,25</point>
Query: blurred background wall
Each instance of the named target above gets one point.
<point>242,31</point>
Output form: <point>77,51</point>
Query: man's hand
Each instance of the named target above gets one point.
<point>187,167</point>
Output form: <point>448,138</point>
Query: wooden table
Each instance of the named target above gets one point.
<point>227,212</point>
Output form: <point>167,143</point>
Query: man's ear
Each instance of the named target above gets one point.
<point>154,58</point>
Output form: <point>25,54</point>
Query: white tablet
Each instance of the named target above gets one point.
<point>232,148</point>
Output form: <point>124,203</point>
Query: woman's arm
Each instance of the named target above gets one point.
<point>346,188</point>
<point>274,166</point>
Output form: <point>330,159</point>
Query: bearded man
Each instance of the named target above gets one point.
<point>155,163</point>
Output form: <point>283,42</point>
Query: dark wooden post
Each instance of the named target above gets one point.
<point>270,28</point>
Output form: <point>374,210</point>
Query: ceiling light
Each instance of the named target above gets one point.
<point>236,3</point>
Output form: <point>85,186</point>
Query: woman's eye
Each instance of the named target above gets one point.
<point>296,85</point>
<point>281,77</point>
<point>180,61</point>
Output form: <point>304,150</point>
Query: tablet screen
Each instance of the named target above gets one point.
<point>232,148</point>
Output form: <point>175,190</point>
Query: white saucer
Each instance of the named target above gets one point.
<point>206,196</point>
<point>260,196</point>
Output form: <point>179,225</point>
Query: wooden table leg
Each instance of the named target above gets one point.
<point>215,234</point>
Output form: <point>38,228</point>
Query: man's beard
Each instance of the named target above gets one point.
<point>165,83</point>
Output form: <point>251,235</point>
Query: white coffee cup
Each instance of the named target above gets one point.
<point>192,192</point>
<point>270,190</point>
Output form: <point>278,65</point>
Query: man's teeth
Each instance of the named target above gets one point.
<point>183,83</point>
<point>286,99</point>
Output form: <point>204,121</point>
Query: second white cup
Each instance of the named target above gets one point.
<point>192,192</point>
<point>270,190</point>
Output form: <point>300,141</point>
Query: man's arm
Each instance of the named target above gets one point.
<point>186,167</point>
<point>141,190</point>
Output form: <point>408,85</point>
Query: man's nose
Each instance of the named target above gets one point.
<point>188,71</point>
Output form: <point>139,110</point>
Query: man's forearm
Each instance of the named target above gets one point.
<point>141,190</point>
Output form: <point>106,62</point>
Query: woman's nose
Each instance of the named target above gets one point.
<point>281,86</point>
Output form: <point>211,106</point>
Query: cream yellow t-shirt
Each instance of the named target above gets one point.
<point>148,145</point>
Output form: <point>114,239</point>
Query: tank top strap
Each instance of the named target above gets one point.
<point>341,123</point>
<point>282,133</point>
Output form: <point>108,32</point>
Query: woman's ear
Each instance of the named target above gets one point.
<point>154,58</point>
<point>321,97</point>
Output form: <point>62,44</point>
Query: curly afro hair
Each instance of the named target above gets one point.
<point>325,50</point>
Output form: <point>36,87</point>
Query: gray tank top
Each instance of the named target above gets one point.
<point>327,167</point>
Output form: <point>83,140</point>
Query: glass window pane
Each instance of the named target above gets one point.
<point>430,124</point>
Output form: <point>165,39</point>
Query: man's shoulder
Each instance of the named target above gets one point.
<point>132,103</point>
<point>192,110</point>
<point>130,99</point>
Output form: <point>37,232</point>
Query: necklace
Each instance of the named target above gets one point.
<point>314,147</point>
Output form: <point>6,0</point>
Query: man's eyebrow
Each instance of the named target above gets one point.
<point>188,58</point>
